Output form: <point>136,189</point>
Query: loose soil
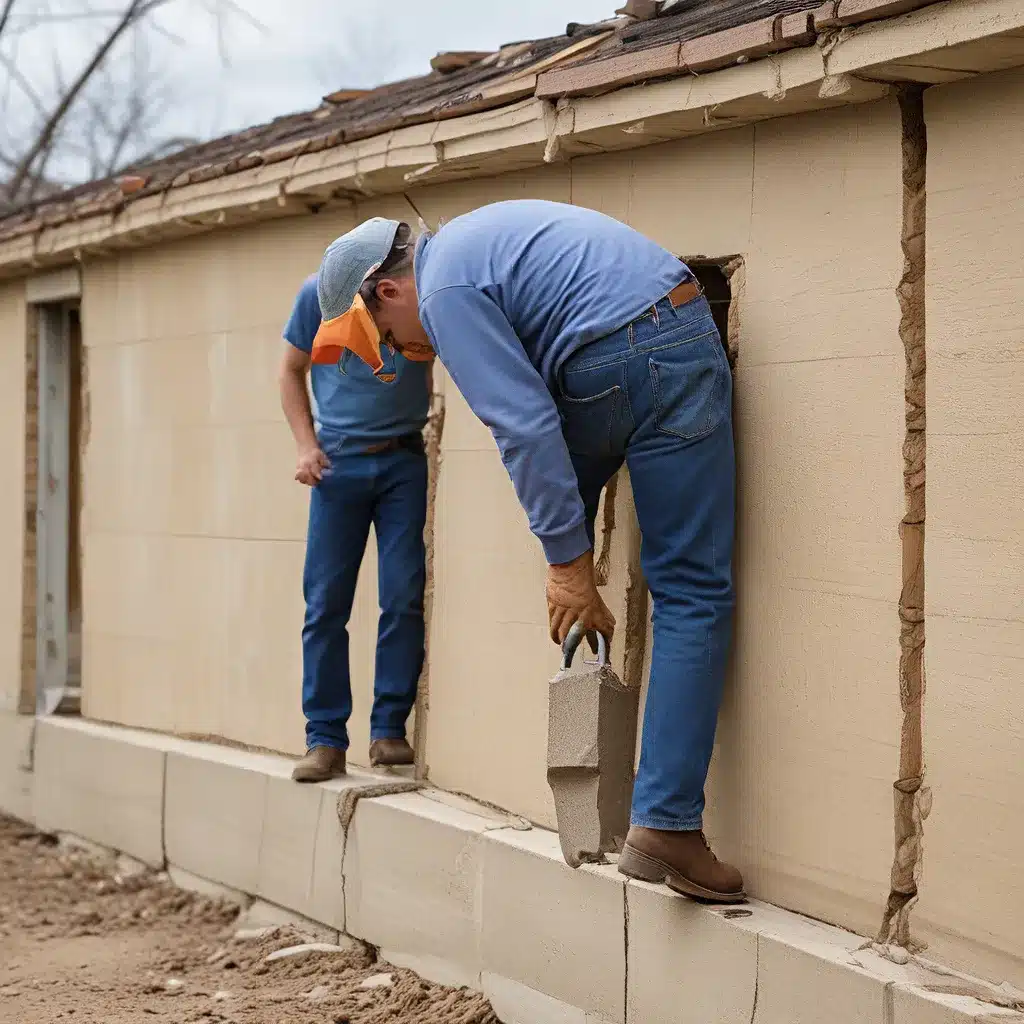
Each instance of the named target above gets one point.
<point>84,944</point>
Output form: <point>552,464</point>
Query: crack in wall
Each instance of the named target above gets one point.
<point>625,954</point>
<point>432,436</point>
<point>912,798</point>
<point>348,801</point>
<point>637,604</point>
<point>163,814</point>
<point>757,976</point>
<point>602,567</point>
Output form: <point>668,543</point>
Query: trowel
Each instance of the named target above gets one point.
<point>592,720</point>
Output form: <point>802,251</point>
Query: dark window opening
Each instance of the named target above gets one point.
<point>717,286</point>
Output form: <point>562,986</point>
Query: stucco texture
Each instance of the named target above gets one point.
<point>800,793</point>
<point>972,904</point>
<point>193,527</point>
<point>194,530</point>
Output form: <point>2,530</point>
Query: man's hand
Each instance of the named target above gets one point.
<point>311,465</point>
<point>573,597</point>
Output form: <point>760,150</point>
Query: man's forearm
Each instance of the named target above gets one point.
<point>297,411</point>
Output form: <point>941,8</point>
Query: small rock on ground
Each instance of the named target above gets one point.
<point>378,981</point>
<point>305,947</point>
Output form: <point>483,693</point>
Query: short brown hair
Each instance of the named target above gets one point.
<point>397,263</point>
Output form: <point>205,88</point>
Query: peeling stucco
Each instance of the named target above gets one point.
<point>637,605</point>
<point>736,274</point>
<point>603,565</point>
<point>912,798</point>
<point>432,435</point>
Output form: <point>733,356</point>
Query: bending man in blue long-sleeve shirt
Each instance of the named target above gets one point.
<point>582,345</point>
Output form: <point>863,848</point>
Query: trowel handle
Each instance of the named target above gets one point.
<point>573,641</point>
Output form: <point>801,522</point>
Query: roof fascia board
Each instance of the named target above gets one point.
<point>964,38</point>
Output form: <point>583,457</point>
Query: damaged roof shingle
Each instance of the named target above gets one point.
<point>587,58</point>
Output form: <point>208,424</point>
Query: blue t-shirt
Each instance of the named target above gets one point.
<point>507,293</point>
<point>352,407</point>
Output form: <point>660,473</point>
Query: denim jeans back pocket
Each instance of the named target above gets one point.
<point>691,386</point>
<point>588,423</point>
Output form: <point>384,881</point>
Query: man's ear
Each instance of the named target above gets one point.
<point>388,290</point>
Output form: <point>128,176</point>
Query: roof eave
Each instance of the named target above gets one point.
<point>938,43</point>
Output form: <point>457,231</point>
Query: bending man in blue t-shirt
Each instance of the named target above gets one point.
<point>583,345</point>
<point>364,462</point>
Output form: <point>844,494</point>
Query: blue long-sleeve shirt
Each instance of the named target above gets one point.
<point>506,294</point>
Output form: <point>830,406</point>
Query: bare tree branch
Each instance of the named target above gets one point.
<point>5,15</point>
<point>136,10</point>
<point>106,114</point>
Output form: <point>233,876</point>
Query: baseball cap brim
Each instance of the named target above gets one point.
<point>354,330</point>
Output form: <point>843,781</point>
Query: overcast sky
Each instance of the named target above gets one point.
<point>310,47</point>
<point>218,75</point>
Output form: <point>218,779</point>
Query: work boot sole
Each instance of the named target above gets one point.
<point>316,777</point>
<point>298,776</point>
<point>392,762</point>
<point>635,864</point>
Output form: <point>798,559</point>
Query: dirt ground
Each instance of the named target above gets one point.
<point>83,944</point>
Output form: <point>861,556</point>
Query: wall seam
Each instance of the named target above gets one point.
<point>911,797</point>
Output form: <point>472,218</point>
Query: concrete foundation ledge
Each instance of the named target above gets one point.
<point>462,894</point>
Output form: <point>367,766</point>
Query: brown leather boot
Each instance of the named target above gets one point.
<point>391,752</point>
<point>683,861</point>
<point>320,764</point>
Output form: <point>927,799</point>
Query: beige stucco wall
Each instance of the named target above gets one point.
<point>194,529</point>
<point>972,903</point>
<point>800,793</point>
<point>12,487</point>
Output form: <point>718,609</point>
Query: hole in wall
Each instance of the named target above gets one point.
<point>718,292</point>
<point>718,276</point>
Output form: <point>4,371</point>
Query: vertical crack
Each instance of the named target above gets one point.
<point>602,568</point>
<point>912,799</point>
<point>625,949</point>
<point>163,814</point>
<point>757,976</point>
<point>432,437</point>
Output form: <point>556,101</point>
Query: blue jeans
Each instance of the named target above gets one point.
<point>389,490</point>
<point>657,394</point>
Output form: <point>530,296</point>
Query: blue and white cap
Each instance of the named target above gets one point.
<point>349,261</point>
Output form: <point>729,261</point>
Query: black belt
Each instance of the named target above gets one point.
<point>405,442</point>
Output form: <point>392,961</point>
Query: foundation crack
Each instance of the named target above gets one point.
<point>757,977</point>
<point>625,953</point>
<point>912,798</point>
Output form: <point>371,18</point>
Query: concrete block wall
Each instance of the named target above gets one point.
<point>464,896</point>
